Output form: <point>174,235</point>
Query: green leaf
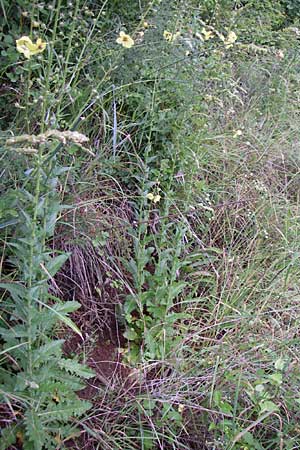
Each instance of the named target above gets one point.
<point>65,307</point>
<point>268,406</point>
<point>276,378</point>
<point>17,291</point>
<point>8,437</point>
<point>8,39</point>
<point>34,429</point>
<point>148,440</point>
<point>175,289</point>
<point>130,334</point>
<point>149,404</point>
<point>175,416</point>
<point>129,306</point>
<point>70,381</point>
<point>225,407</point>
<point>47,350</point>
<point>51,217</point>
<point>65,411</point>
<point>14,332</point>
<point>63,318</point>
<point>217,397</point>
<point>252,443</point>
<point>56,263</point>
<point>76,368</point>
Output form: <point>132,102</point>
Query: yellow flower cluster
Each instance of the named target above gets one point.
<point>28,48</point>
<point>125,40</point>
<point>230,40</point>
<point>171,37</point>
<point>155,198</point>
<point>209,34</point>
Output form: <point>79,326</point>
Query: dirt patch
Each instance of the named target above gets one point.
<point>113,385</point>
<point>104,356</point>
<point>110,371</point>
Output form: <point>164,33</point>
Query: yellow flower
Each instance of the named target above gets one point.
<point>180,408</point>
<point>145,24</point>
<point>125,40</point>
<point>237,134</point>
<point>28,48</point>
<point>175,36</point>
<point>207,34</point>
<point>154,198</point>
<point>230,40</point>
<point>56,398</point>
<point>170,37</point>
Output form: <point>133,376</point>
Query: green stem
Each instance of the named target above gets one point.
<point>49,68</point>
<point>31,274</point>
<point>68,54</point>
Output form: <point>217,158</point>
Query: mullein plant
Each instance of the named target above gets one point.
<point>38,383</point>
<point>153,323</point>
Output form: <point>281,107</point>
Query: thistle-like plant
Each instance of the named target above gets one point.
<point>38,382</point>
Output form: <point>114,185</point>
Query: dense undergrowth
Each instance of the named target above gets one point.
<point>149,224</point>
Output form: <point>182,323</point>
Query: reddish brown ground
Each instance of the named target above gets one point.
<point>105,358</point>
